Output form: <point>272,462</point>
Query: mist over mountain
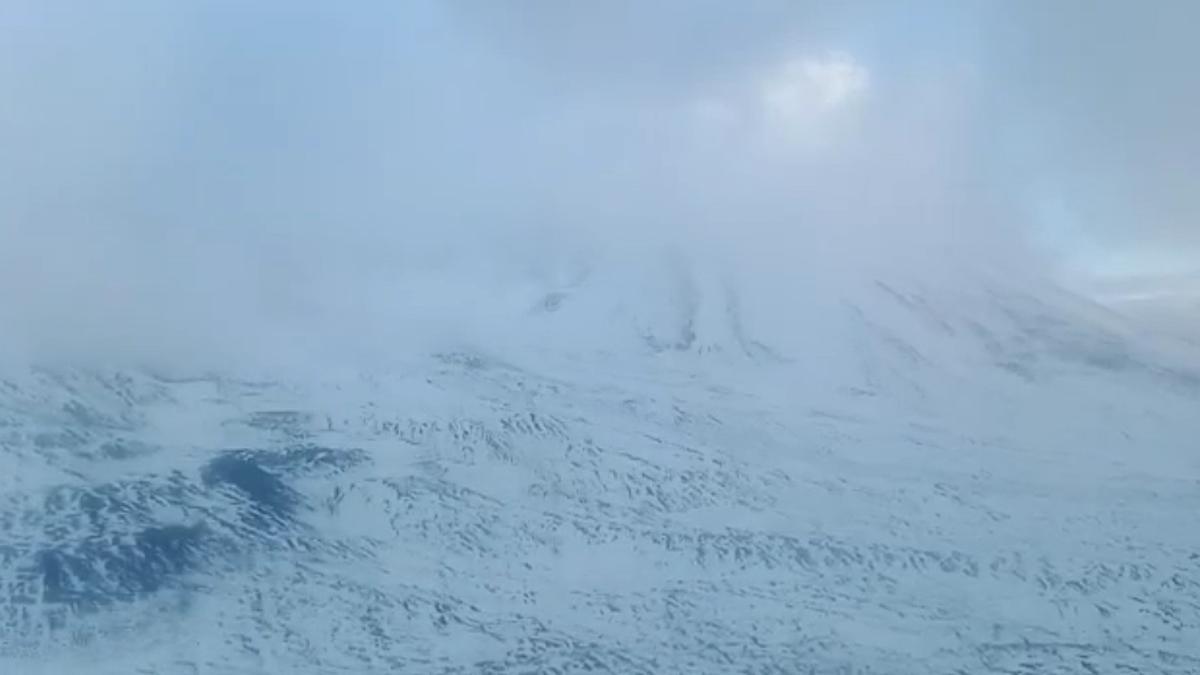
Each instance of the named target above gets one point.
<point>992,477</point>
<point>453,338</point>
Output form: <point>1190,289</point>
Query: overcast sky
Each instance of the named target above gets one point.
<point>230,160</point>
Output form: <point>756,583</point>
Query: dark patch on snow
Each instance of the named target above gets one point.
<point>105,569</point>
<point>303,459</point>
<point>269,494</point>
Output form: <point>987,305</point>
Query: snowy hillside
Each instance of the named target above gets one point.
<point>985,480</point>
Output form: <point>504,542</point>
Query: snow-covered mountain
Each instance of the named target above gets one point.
<point>913,479</point>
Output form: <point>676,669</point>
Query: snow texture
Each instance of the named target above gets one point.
<point>980,481</point>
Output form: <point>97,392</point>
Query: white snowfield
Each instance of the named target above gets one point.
<point>972,481</point>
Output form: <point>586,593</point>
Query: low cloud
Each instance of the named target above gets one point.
<point>219,184</point>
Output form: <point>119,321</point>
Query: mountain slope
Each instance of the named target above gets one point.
<point>993,481</point>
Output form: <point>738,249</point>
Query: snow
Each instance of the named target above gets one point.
<point>989,479</point>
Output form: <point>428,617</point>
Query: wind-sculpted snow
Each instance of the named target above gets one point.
<point>468,514</point>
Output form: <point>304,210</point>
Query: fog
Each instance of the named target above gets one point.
<point>212,184</point>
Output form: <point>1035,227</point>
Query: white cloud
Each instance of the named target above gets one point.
<point>802,103</point>
<point>804,95</point>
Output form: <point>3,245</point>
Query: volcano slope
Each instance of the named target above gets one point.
<point>995,482</point>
